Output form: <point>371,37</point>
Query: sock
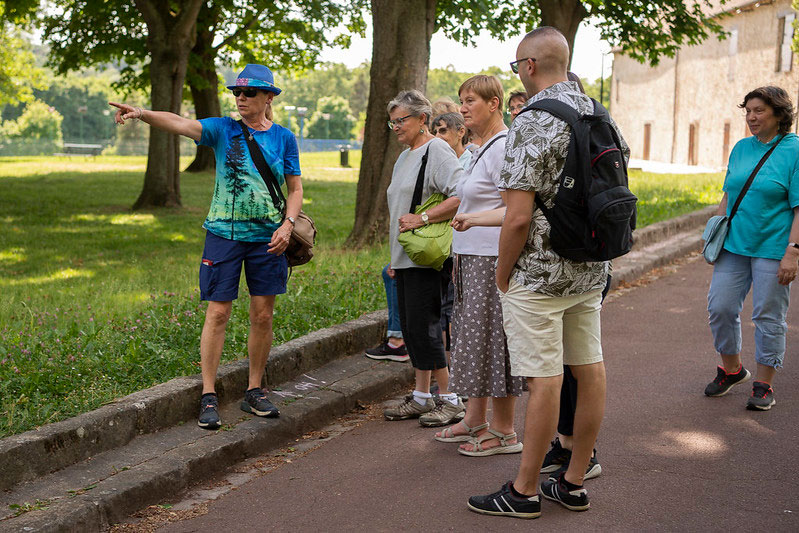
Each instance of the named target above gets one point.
<point>421,397</point>
<point>519,494</point>
<point>392,345</point>
<point>208,394</point>
<point>570,486</point>
<point>451,397</point>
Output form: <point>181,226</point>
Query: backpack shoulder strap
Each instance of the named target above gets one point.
<point>556,108</point>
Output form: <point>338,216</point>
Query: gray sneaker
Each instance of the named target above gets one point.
<point>408,408</point>
<point>444,414</point>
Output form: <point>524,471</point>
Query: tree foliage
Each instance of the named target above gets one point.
<point>19,75</point>
<point>332,119</point>
<point>39,126</point>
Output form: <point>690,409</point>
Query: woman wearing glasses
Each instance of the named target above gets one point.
<point>419,287</point>
<point>243,226</point>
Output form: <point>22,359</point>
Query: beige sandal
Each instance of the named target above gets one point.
<point>504,447</point>
<point>448,436</point>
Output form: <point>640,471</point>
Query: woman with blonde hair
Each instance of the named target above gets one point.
<point>480,361</point>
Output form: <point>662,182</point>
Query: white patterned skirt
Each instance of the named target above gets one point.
<point>480,363</point>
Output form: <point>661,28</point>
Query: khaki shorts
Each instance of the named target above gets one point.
<point>545,332</point>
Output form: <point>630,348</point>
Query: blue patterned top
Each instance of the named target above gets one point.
<point>241,208</point>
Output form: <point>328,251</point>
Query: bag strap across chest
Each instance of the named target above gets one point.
<point>752,178</point>
<point>278,199</point>
<point>417,191</point>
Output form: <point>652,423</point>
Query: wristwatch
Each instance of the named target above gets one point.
<point>291,219</point>
<point>794,244</point>
<point>425,218</point>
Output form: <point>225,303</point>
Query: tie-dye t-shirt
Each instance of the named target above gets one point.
<point>242,208</point>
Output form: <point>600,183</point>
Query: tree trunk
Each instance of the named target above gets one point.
<point>203,82</point>
<point>400,59</point>
<point>565,15</point>
<point>170,37</point>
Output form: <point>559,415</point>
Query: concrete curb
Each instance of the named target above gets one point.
<point>52,447</point>
<point>187,455</point>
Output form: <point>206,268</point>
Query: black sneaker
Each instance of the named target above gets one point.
<point>594,469</point>
<point>255,402</point>
<point>504,503</point>
<point>556,457</point>
<point>762,397</point>
<point>209,412</point>
<point>555,490</point>
<point>724,381</point>
<point>386,352</point>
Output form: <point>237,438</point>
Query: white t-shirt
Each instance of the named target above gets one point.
<point>442,173</point>
<point>478,191</point>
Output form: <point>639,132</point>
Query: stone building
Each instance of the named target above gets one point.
<point>685,109</point>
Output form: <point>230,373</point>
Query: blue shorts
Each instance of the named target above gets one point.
<point>220,269</point>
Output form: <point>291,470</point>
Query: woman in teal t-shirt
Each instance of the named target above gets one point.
<point>762,247</point>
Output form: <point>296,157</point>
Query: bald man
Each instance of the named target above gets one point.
<point>550,304</point>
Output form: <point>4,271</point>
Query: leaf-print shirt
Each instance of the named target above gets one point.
<point>535,154</point>
<point>242,208</point>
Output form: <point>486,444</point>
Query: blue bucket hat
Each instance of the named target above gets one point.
<point>257,77</point>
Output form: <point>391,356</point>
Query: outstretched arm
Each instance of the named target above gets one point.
<point>464,221</point>
<point>162,120</point>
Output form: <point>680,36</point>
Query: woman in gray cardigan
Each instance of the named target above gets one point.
<point>419,287</point>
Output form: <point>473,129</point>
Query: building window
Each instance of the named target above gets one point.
<point>647,139</point>
<point>732,52</point>
<point>725,148</point>
<point>784,41</point>
<point>693,144</point>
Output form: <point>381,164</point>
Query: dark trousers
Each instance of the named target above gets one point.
<point>568,392</point>
<point>419,298</point>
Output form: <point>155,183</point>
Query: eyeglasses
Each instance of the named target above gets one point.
<point>442,131</point>
<point>514,65</point>
<point>249,93</point>
<point>397,122</point>
<point>516,108</point>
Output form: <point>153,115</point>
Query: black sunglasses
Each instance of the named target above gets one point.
<point>514,65</point>
<point>249,93</point>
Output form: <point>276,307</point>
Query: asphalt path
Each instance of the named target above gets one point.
<point>672,458</point>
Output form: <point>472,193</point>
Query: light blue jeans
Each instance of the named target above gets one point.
<point>394,328</point>
<point>733,275</point>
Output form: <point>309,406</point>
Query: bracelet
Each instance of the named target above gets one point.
<point>141,113</point>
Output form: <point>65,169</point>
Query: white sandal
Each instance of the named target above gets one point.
<point>460,438</point>
<point>504,447</point>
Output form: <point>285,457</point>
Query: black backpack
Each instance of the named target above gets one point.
<point>594,212</point>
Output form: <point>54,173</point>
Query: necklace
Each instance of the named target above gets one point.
<point>262,124</point>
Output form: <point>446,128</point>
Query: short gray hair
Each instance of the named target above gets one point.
<point>415,102</point>
<point>454,121</point>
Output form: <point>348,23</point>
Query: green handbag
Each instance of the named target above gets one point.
<point>429,245</point>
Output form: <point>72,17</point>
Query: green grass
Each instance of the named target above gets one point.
<point>100,301</point>
<point>665,196</point>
